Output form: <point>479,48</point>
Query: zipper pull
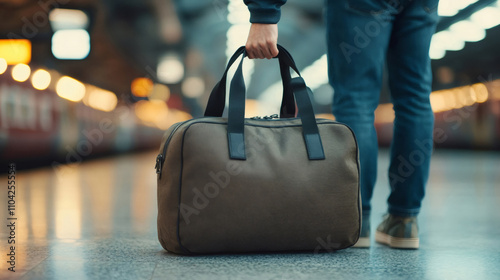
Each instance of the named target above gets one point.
<point>159,162</point>
<point>273,116</point>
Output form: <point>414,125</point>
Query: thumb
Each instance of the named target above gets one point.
<point>274,50</point>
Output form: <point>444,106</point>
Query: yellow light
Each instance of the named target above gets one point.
<point>252,108</point>
<point>3,65</point>
<point>384,113</point>
<point>151,111</point>
<point>173,116</point>
<point>181,116</point>
<point>101,99</point>
<point>70,89</point>
<point>494,90</point>
<point>141,87</point>
<point>325,116</point>
<point>438,102</point>
<point>21,72</point>
<point>15,51</point>
<point>40,79</point>
<point>481,92</point>
<point>160,92</point>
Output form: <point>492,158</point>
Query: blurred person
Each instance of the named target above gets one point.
<point>362,36</point>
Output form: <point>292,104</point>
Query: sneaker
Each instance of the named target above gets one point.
<point>398,232</point>
<point>364,235</point>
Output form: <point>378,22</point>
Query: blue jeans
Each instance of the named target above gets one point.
<point>362,36</point>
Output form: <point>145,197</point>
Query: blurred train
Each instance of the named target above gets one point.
<point>45,126</point>
<point>466,117</point>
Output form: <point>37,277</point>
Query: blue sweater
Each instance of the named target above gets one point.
<point>264,11</point>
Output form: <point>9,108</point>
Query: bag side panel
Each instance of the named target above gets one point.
<point>168,193</point>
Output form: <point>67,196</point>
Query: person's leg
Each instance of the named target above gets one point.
<point>410,85</point>
<point>358,36</point>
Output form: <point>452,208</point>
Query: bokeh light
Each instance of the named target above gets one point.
<point>21,72</point>
<point>170,70</point>
<point>40,79</point>
<point>160,92</point>
<point>70,89</point>
<point>101,99</point>
<point>193,87</point>
<point>3,65</point>
<point>141,87</point>
<point>15,51</point>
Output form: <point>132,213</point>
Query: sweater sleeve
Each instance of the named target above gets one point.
<point>264,11</point>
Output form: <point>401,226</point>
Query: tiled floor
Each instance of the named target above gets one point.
<point>97,220</point>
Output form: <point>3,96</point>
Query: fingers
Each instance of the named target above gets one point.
<point>266,51</point>
<point>263,50</point>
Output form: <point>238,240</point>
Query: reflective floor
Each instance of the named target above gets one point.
<point>97,220</point>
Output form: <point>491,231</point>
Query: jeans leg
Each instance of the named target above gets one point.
<point>410,84</point>
<point>357,44</point>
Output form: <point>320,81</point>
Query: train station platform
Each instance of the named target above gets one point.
<point>97,220</point>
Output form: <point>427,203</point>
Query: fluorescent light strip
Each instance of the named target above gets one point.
<point>472,29</point>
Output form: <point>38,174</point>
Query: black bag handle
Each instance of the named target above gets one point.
<point>217,99</point>
<point>236,117</point>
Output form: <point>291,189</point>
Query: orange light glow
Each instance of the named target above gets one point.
<point>325,116</point>
<point>15,51</point>
<point>151,111</point>
<point>384,113</point>
<point>141,87</point>
<point>481,92</point>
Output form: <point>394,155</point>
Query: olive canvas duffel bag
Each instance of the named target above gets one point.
<point>262,184</point>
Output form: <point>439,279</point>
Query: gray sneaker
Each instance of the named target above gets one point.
<point>364,235</point>
<point>398,232</point>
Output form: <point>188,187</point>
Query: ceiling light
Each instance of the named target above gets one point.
<point>71,44</point>
<point>68,19</point>
<point>468,31</point>
<point>486,18</point>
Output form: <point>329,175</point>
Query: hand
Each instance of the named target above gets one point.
<point>262,41</point>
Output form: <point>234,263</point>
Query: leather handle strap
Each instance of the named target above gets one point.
<point>236,118</point>
<point>217,99</point>
<point>309,127</point>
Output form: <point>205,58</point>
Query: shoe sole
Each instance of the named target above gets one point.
<point>396,242</point>
<point>363,242</point>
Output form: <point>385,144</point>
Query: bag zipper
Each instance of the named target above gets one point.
<point>274,116</point>
<point>161,157</point>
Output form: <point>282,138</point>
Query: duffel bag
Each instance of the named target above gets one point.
<point>260,184</point>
